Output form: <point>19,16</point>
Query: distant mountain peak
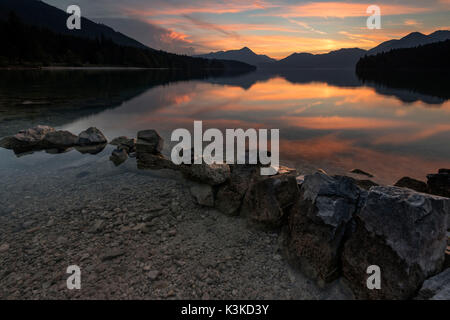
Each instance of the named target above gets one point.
<point>412,40</point>
<point>244,54</point>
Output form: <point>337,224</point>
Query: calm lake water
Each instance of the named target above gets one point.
<point>328,119</point>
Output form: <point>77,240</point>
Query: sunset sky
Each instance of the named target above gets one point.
<point>276,28</point>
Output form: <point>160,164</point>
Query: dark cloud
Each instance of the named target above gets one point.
<point>211,26</point>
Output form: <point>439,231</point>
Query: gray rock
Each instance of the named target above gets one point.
<point>112,254</point>
<point>361,172</point>
<point>118,156</point>
<point>91,136</point>
<point>436,288</point>
<point>28,138</point>
<point>318,222</point>
<point>149,141</point>
<point>229,196</point>
<point>212,174</point>
<point>267,198</point>
<point>203,194</point>
<point>413,184</point>
<point>92,149</point>
<point>154,161</point>
<point>59,139</point>
<point>4,247</point>
<point>125,143</point>
<point>401,231</point>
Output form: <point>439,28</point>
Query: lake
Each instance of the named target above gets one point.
<point>328,119</point>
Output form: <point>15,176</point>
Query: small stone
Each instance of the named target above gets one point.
<point>153,275</point>
<point>4,247</point>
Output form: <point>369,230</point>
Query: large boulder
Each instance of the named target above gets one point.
<point>60,139</point>
<point>230,195</point>
<point>268,198</point>
<point>154,161</point>
<point>439,184</point>
<point>318,222</point>
<point>91,136</point>
<point>401,231</point>
<point>413,184</point>
<point>26,139</point>
<point>213,174</point>
<point>436,288</point>
<point>149,141</point>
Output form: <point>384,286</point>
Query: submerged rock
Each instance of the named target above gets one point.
<point>402,232</point>
<point>203,194</point>
<point>118,156</point>
<point>318,222</point>
<point>413,184</point>
<point>91,136</point>
<point>124,143</point>
<point>268,197</point>
<point>149,141</point>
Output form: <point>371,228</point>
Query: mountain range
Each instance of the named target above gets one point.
<point>342,58</point>
<point>244,55</point>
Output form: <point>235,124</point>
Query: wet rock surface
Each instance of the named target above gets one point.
<point>413,184</point>
<point>91,136</point>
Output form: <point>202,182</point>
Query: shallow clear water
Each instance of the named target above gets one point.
<point>327,118</point>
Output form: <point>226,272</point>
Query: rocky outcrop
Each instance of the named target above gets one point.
<point>439,183</point>
<point>149,141</point>
<point>402,232</point>
<point>91,136</point>
<point>318,222</point>
<point>413,184</point>
<point>268,198</point>
<point>436,288</point>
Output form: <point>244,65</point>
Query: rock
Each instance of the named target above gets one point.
<point>203,194</point>
<point>149,141</point>
<point>118,156</point>
<point>436,288</point>
<point>26,139</point>
<point>154,161</point>
<point>212,174</point>
<point>153,275</point>
<point>97,227</point>
<point>265,201</point>
<point>402,232</point>
<point>4,247</point>
<point>229,196</point>
<point>91,136</point>
<point>361,172</point>
<point>413,184</point>
<point>439,184</point>
<point>93,149</point>
<point>318,222</point>
<point>112,254</point>
<point>365,184</point>
<point>125,143</point>
<point>59,139</point>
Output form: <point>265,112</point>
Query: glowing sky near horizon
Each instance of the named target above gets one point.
<point>276,28</point>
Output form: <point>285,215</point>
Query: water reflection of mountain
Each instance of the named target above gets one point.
<point>409,88</point>
<point>57,97</point>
